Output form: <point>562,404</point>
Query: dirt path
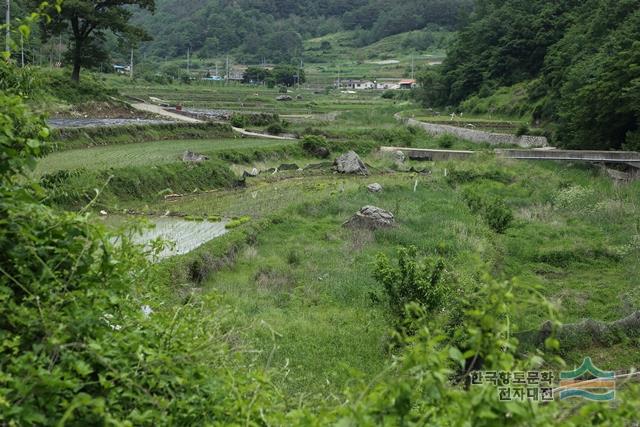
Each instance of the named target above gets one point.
<point>150,108</point>
<point>245,132</point>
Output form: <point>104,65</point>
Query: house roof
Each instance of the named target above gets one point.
<point>407,82</point>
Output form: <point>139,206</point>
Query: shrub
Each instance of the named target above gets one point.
<point>494,211</point>
<point>275,128</point>
<point>411,281</point>
<point>238,121</point>
<point>315,145</point>
<point>293,257</point>
<point>446,141</point>
<point>498,215</point>
<point>523,129</point>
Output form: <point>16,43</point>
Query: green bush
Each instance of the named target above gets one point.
<point>446,141</point>
<point>388,94</point>
<point>275,128</point>
<point>494,211</point>
<point>238,121</point>
<point>411,281</point>
<point>316,145</point>
<point>523,129</point>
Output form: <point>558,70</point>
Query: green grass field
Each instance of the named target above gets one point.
<point>146,153</point>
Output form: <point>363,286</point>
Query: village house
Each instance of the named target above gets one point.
<point>386,84</point>
<point>407,84</point>
<point>354,84</point>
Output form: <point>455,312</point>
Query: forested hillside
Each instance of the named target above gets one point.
<point>274,30</point>
<point>579,59</point>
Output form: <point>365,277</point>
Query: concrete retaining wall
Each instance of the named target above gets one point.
<point>479,136</point>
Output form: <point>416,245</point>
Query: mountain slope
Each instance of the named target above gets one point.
<point>274,30</point>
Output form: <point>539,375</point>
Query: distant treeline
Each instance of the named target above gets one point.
<point>579,59</point>
<point>274,30</point>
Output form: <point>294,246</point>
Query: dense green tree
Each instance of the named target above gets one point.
<point>288,75</point>
<point>256,75</point>
<point>253,30</point>
<point>580,56</point>
<point>598,101</point>
<point>88,20</point>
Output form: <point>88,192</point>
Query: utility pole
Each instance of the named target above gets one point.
<point>60,51</point>
<point>131,65</point>
<point>189,59</point>
<point>412,68</point>
<point>7,48</point>
<point>227,79</point>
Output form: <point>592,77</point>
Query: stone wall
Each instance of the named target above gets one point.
<point>473,135</point>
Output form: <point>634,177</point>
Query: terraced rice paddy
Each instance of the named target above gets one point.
<point>146,153</point>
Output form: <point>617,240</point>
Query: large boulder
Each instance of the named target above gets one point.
<point>284,98</point>
<point>350,163</point>
<point>191,157</point>
<point>371,217</point>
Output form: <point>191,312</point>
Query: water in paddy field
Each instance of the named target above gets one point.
<point>184,235</point>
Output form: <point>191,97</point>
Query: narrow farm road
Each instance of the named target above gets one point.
<point>156,109</point>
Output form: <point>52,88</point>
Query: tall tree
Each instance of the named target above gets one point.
<point>88,20</point>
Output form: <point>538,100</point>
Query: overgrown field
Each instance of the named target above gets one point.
<point>305,298</point>
<point>310,280</point>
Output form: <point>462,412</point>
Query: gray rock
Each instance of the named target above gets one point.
<point>284,98</point>
<point>372,218</point>
<point>399,157</point>
<point>374,188</point>
<point>321,152</point>
<point>254,172</point>
<point>191,157</point>
<point>350,163</point>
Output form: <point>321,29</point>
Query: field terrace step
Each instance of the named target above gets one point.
<point>631,158</point>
